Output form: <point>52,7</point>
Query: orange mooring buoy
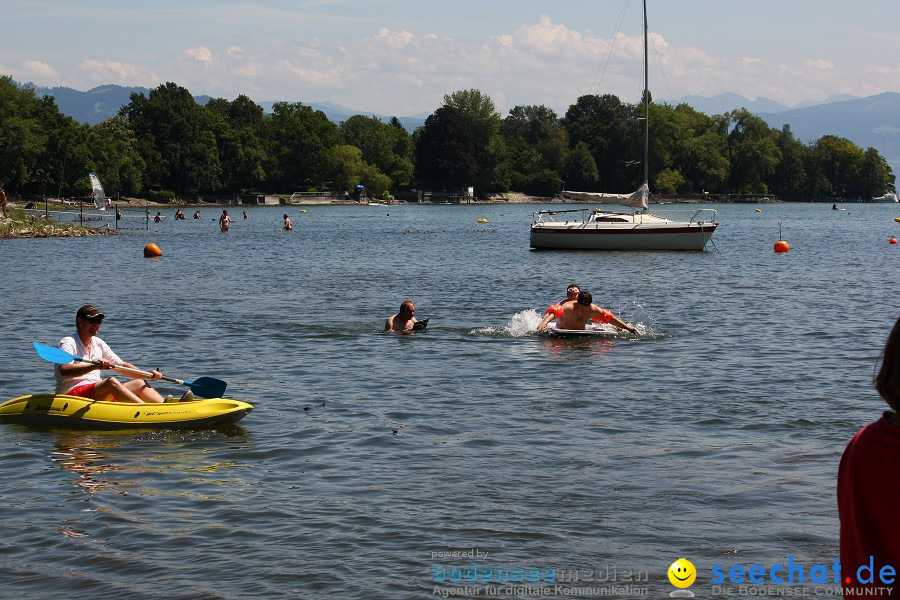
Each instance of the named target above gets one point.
<point>781,245</point>
<point>893,240</point>
<point>151,250</point>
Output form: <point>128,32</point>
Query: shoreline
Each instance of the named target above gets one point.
<point>135,203</point>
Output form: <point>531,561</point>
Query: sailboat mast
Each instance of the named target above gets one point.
<point>646,103</point>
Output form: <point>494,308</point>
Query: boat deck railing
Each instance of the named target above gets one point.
<point>538,217</point>
<point>701,216</point>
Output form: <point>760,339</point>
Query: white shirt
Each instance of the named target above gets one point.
<point>96,351</point>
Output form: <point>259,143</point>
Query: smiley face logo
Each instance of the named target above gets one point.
<point>682,573</point>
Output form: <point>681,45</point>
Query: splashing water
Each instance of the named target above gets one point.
<point>522,324</point>
<point>635,314</point>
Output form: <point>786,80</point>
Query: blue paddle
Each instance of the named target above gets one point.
<point>205,387</point>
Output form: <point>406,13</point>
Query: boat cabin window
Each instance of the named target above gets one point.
<point>609,219</point>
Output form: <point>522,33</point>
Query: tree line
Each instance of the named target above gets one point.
<point>165,144</point>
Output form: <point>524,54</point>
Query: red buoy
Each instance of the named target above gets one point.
<point>151,250</point>
<point>782,246</point>
<point>893,240</point>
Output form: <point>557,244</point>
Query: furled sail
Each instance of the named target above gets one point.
<point>637,199</point>
<point>99,195</point>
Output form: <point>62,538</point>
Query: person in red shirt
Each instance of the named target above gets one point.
<point>868,487</point>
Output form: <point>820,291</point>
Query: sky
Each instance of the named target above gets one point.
<point>400,57</point>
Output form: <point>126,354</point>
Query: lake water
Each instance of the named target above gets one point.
<point>715,436</point>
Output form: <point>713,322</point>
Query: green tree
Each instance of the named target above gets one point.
<point>790,179</point>
<point>582,173</point>
<point>302,139</point>
<point>536,142</point>
<point>178,139</point>
<point>752,152</point>
<point>402,170</point>
<point>445,150</point>
<point>115,157</point>
<point>690,144</point>
<point>242,139</point>
<point>543,183</point>
<point>613,135</point>
<point>480,117</point>
<point>669,181</point>
<point>876,176</point>
<point>23,138</point>
<point>386,146</point>
<point>346,166</point>
<point>840,161</point>
<point>65,159</point>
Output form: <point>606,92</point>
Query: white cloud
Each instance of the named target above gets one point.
<point>108,71</point>
<point>394,39</point>
<point>200,54</point>
<point>35,69</point>
<point>893,69</point>
<point>405,71</point>
<point>317,77</point>
<point>819,64</point>
<point>249,70</point>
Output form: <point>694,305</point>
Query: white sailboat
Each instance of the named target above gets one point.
<point>100,200</point>
<point>888,197</point>
<point>636,230</point>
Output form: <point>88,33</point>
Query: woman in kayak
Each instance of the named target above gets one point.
<point>83,379</point>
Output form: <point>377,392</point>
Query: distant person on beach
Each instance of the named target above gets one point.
<point>571,295</point>
<point>288,226</point>
<point>225,221</point>
<point>575,314</point>
<point>3,202</point>
<point>83,379</point>
<point>197,214</point>
<point>867,485</point>
<point>179,215</point>
<point>404,319</point>
<point>158,217</point>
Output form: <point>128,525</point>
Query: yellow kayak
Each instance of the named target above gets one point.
<point>72,411</point>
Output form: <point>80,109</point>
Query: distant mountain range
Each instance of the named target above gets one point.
<point>867,122</point>
<point>873,121</point>
<point>728,101</point>
<point>103,102</point>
